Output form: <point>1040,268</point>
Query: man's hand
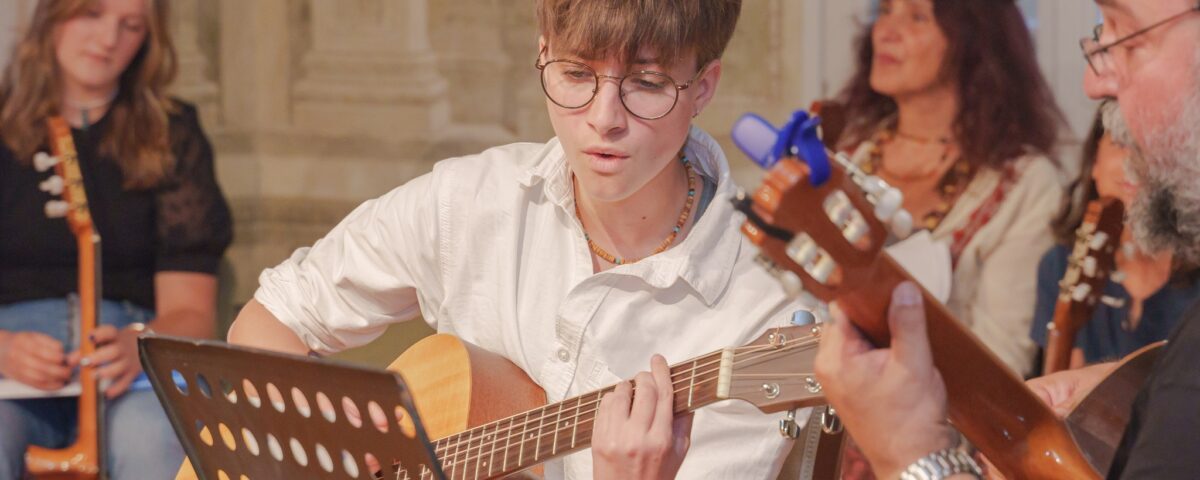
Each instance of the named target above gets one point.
<point>35,359</point>
<point>635,435</point>
<point>1063,390</point>
<point>892,400</point>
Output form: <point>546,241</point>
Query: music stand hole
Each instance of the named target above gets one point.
<point>325,406</point>
<point>251,393</point>
<point>298,452</point>
<point>202,384</point>
<point>349,464</point>
<point>274,448</point>
<point>250,441</point>
<point>180,382</point>
<point>205,435</point>
<point>378,418</point>
<point>227,391</point>
<point>275,397</point>
<point>227,437</point>
<point>350,410</point>
<point>323,458</point>
<point>301,403</point>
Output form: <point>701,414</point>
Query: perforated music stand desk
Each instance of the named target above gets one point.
<point>250,413</point>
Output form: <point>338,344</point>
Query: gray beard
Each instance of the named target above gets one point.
<point>1165,214</point>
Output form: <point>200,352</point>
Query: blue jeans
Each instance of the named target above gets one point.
<point>140,440</point>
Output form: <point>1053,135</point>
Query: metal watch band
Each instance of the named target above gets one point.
<point>941,464</point>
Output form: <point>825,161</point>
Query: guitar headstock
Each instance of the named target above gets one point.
<point>775,371</point>
<point>820,233</point>
<point>1093,255</point>
<point>67,180</point>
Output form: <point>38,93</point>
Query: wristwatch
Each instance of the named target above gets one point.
<point>942,464</point>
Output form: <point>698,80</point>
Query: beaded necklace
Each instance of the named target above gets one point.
<point>683,216</point>
<point>949,187</point>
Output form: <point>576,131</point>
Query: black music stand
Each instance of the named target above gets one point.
<point>249,413</point>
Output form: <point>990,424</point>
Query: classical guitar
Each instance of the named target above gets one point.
<point>814,220</point>
<point>491,420</point>
<point>82,459</point>
<point>1082,286</point>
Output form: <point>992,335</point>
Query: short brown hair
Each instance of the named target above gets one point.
<point>594,29</point>
<point>138,139</point>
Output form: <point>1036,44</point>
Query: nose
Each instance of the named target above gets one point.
<point>606,113</point>
<point>108,31</point>
<point>1099,86</point>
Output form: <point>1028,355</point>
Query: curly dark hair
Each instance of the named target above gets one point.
<point>1007,109</point>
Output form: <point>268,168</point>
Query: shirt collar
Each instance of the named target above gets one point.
<point>705,259</point>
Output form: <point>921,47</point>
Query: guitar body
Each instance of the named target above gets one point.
<point>457,386</point>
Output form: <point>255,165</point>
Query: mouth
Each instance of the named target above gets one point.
<point>605,160</point>
<point>883,59</point>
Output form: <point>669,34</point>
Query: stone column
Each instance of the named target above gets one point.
<point>195,83</point>
<point>371,72</point>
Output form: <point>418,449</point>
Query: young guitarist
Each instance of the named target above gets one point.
<point>577,259</point>
<point>1143,56</point>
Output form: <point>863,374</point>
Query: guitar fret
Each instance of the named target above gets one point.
<point>478,454</point>
<point>507,441</point>
<point>557,424</point>
<point>575,421</point>
<point>692,383</point>
<point>524,430</point>
<point>537,448</point>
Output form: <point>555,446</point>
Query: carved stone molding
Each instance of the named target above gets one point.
<point>371,71</point>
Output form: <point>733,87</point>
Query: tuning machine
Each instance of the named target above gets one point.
<point>43,161</point>
<point>57,208</point>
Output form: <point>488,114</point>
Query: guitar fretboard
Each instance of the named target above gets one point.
<point>527,439</point>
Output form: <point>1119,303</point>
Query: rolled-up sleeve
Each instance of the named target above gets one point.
<point>374,268</point>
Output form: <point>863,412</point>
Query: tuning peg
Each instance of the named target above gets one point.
<point>855,231</point>
<point>57,209</point>
<point>823,269</point>
<point>1081,292</point>
<point>1090,265</point>
<point>1112,302</point>
<point>52,185</point>
<point>802,251</point>
<point>874,185</point>
<point>902,224</point>
<point>788,426</point>
<point>42,161</point>
<point>1098,240</point>
<point>801,318</point>
<point>1118,276</point>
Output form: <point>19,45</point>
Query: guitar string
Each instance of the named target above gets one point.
<point>510,430</point>
<point>681,375</point>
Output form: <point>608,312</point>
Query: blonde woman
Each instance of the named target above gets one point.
<point>103,65</point>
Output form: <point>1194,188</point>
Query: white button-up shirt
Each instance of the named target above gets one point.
<point>488,248</point>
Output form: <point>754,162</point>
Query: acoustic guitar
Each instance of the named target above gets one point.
<point>491,420</point>
<point>823,229</point>
<point>1082,286</point>
<point>83,459</point>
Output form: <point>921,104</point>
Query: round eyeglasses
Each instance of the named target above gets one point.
<point>1099,56</point>
<point>646,94</point>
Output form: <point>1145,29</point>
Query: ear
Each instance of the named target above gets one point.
<point>706,84</point>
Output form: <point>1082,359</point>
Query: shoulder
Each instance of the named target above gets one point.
<point>509,164</point>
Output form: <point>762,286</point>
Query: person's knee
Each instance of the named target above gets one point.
<point>141,440</point>
<point>13,440</point>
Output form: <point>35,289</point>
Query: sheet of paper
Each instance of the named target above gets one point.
<point>928,261</point>
<point>12,390</point>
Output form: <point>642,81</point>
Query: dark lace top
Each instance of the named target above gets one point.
<point>182,225</point>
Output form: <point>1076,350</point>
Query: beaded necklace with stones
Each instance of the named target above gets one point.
<point>949,187</point>
<point>683,216</point>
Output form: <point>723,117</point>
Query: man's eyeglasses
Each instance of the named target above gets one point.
<point>646,94</point>
<point>1099,57</point>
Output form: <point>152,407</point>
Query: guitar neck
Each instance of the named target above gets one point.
<point>515,443</point>
<point>1060,334</point>
<point>988,403</point>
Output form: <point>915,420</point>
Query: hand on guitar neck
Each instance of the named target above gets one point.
<point>870,386</point>
<point>636,435</point>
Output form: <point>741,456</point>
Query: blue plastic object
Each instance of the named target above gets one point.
<point>754,136</point>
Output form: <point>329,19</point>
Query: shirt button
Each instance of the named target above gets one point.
<point>563,355</point>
